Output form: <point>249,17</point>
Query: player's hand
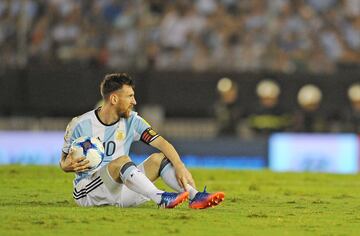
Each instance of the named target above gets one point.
<point>75,164</point>
<point>184,177</point>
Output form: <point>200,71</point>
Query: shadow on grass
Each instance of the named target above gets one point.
<point>39,203</point>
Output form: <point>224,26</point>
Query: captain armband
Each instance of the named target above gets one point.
<point>149,135</point>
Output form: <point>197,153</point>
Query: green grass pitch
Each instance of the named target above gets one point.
<point>37,200</point>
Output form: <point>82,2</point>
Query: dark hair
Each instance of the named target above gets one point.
<point>113,82</point>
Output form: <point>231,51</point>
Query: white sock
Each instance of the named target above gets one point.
<point>169,177</point>
<point>137,181</point>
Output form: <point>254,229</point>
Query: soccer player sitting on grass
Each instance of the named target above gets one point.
<point>118,181</point>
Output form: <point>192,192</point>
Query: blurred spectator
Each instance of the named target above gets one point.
<point>352,113</point>
<point>278,35</point>
<point>268,116</point>
<point>308,118</point>
<point>227,110</point>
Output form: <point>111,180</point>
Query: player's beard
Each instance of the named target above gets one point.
<point>127,113</point>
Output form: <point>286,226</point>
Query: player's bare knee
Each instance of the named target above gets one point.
<point>162,164</point>
<point>115,167</point>
<point>118,163</point>
<point>156,158</point>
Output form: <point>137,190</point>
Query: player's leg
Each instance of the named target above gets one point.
<point>152,166</point>
<point>121,195</point>
<point>123,170</point>
<point>158,165</point>
<point>92,191</point>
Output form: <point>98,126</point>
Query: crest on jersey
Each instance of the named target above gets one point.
<point>120,135</point>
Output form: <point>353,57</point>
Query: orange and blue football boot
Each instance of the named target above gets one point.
<point>171,200</point>
<point>204,199</point>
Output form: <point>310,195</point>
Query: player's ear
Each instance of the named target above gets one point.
<point>113,98</point>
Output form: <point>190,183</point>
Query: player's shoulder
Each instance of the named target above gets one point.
<point>78,119</point>
<point>137,116</point>
<point>85,116</point>
<point>133,114</point>
<point>133,118</point>
<point>137,119</point>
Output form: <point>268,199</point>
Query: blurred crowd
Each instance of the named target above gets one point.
<point>249,35</point>
<point>269,117</point>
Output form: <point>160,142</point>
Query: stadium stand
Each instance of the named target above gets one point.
<point>50,48</point>
<point>286,36</point>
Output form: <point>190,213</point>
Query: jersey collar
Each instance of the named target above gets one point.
<point>98,118</point>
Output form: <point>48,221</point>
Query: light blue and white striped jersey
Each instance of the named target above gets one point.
<point>117,137</point>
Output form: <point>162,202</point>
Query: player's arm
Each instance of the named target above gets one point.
<point>70,164</point>
<point>183,175</point>
<point>169,151</point>
<point>149,136</point>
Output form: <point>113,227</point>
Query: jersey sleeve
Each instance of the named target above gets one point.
<point>72,132</point>
<point>143,130</point>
